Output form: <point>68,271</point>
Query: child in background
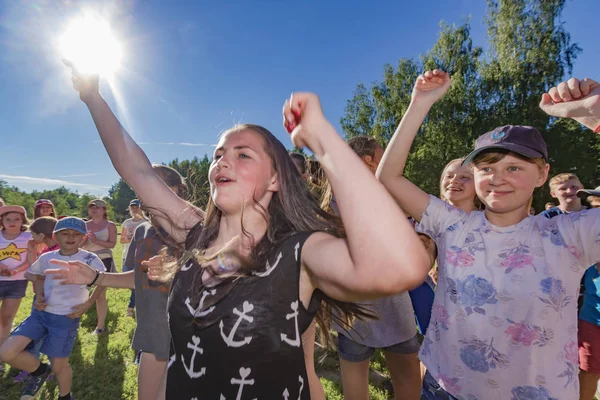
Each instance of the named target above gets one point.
<point>590,196</point>
<point>43,208</point>
<point>128,228</point>
<point>14,240</point>
<point>504,317</point>
<point>564,188</point>
<point>53,319</point>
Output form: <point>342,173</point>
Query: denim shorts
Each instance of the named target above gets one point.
<point>59,332</point>
<point>355,352</point>
<point>431,390</point>
<point>13,289</point>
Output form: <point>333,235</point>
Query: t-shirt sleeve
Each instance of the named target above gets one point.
<point>581,233</point>
<point>39,266</point>
<point>94,261</point>
<point>438,218</point>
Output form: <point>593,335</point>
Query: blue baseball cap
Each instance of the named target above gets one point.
<point>134,202</point>
<point>77,224</point>
<point>524,140</point>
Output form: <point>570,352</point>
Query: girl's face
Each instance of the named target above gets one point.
<point>95,212</point>
<point>12,222</point>
<point>241,171</point>
<point>508,184</point>
<point>46,210</point>
<point>134,211</point>
<point>457,183</point>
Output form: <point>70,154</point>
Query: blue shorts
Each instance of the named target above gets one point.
<point>355,352</point>
<point>13,289</point>
<point>59,332</point>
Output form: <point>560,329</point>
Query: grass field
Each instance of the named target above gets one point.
<point>103,366</point>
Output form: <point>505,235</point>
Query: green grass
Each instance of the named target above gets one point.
<point>103,366</point>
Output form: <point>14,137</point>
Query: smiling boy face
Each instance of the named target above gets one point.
<point>69,240</point>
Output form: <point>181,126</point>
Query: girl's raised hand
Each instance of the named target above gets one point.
<point>431,86</point>
<point>86,85</point>
<point>573,99</point>
<point>304,120</point>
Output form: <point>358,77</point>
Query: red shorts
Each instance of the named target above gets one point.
<point>588,338</point>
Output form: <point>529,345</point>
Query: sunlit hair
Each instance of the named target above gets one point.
<point>291,210</point>
<point>493,156</point>
<point>562,178</point>
<point>37,213</point>
<point>364,145</point>
<point>43,225</point>
<point>24,221</point>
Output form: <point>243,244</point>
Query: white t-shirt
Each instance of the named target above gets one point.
<point>504,320</point>
<point>60,299</point>
<point>14,253</point>
<point>129,225</point>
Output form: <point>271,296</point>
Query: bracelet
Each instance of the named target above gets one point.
<point>597,129</point>
<point>95,279</point>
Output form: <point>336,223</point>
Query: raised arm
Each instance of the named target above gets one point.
<point>381,254</point>
<point>575,99</point>
<point>429,88</point>
<point>174,214</point>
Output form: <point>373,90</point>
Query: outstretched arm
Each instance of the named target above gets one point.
<point>381,254</point>
<point>174,214</point>
<point>429,88</point>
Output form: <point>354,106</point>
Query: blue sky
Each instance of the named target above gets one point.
<point>193,68</point>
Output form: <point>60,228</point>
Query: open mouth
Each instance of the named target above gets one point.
<point>222,180</point>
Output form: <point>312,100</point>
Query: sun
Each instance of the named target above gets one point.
<point>91,46</point>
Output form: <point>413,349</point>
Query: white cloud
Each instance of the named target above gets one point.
<point>77,175</point>
<point>48,182</point>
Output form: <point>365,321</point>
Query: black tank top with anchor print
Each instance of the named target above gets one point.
<point>246,342</point>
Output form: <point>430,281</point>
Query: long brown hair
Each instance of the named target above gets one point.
<point>292,209</point>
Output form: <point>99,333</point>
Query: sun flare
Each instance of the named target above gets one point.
<point>91,46</point>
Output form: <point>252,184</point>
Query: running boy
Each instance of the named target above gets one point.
<point>53,319</point>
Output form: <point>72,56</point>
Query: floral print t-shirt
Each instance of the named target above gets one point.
<point>504,322</point>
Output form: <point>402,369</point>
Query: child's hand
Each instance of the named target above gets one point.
<point>573,99</point>
<point>4,271</point>
<point>91,236</point>
<point>86,85</point>
<point>431,86</point>
<point>304,120</point>
<point>39,303</point>
<point>79,310</point>
<point>155,267</point>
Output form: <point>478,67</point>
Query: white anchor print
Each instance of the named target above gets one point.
<point>196,349</point>
<point>269,269</point>
<point>196,312</point>
<point>171,360</point>
<point>187,267</point>
<point>286,393</point>
<point>229,340</point>
<point>294,342</point>
<point>244,373</point>
<point>296,250</point>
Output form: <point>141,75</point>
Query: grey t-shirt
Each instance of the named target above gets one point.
<point>152,330</point>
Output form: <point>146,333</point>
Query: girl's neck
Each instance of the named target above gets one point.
<point>508,218</point>
<point>97,221</point>
<point>10,235</point>
<point>137,217</point>
<point>230,228</point>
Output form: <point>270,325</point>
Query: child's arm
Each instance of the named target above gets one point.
<point>124,237</point>
<point>133,166</point>
<point>575,99</point>
<point>381,254</point>
<point>429,88</point>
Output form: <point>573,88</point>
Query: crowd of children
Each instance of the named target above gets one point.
<point>284,245</point>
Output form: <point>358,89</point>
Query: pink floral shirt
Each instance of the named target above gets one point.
<point>504,321</point>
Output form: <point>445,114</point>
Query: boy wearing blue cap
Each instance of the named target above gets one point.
<point>56,315</point>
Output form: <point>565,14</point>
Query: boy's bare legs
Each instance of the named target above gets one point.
<point>63,373</point>
<point>13,352</point>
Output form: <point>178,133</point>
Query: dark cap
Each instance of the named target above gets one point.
<point>584,193</point>
<point>524,140</point>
